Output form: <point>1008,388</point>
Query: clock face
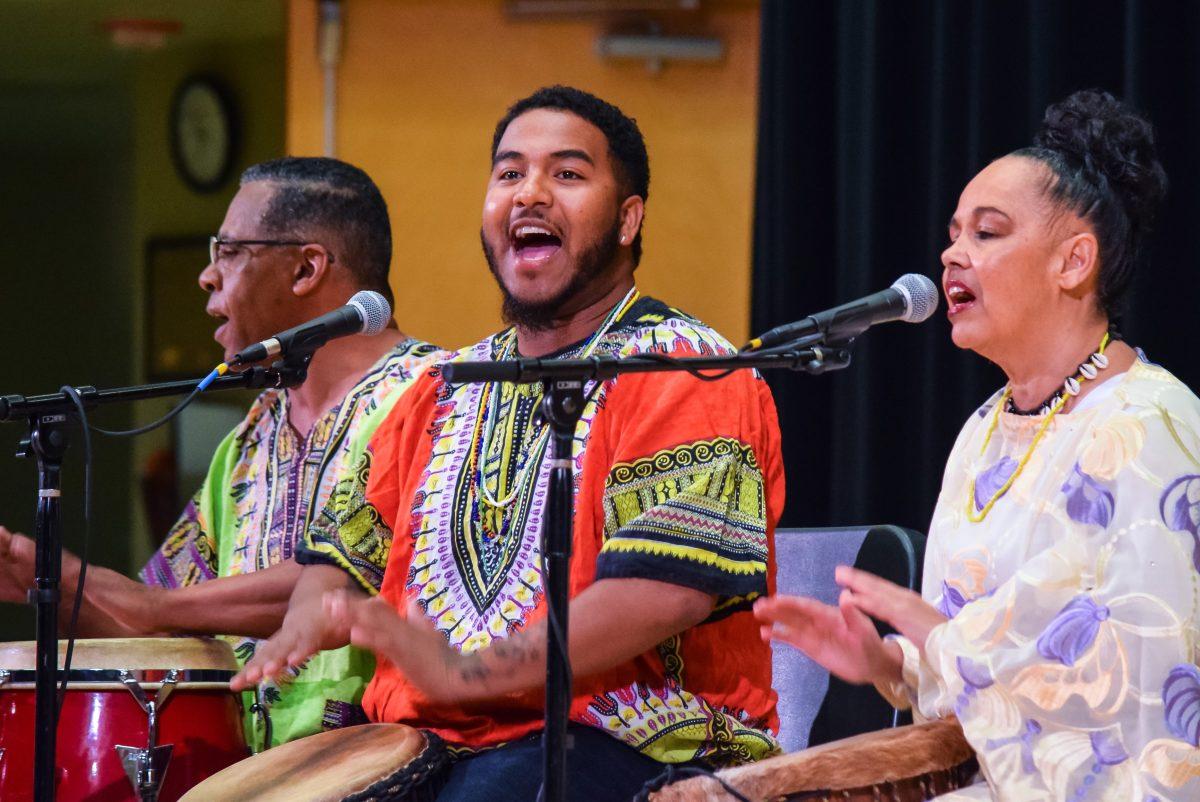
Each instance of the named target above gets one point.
<point>202,134</point>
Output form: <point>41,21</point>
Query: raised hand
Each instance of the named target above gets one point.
<point>842,639</point>
<point>410,642</point>
<point>307,629</point>
<point>904,610</point>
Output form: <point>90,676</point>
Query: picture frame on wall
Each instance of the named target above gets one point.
<point>178,332</point>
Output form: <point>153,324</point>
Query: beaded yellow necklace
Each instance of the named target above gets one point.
<point>1071,387</point>
<point>482,435</point>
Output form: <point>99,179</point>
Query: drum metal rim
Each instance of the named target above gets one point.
<point>113,676</point>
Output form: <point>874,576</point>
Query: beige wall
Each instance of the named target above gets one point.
<point>421,86</point>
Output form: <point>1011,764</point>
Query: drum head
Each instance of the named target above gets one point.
<point>886,763</point>
<point>327,767</point>
<point>128,653</point>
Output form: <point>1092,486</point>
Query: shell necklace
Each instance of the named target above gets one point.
<point>1071,387</point>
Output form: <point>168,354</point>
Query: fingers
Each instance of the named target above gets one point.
<point>273,659</point>
<point>864,582</point>
<point>372,623</point>
<point>787,609</point>
<point>873,595</point>
<point>855,619</point>
<point>798,621</point>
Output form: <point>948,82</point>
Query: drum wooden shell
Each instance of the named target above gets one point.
<point>202,718</point>
<point>328,767</point>
<point>905,764</point>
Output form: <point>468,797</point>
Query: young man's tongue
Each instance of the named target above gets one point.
<point>537,252</point>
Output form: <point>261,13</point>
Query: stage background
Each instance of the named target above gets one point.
<point>817,161</point>
<point>421,86</point>
<point>872,118</point>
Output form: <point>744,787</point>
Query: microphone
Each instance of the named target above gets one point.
<point>366,312</point>
<point>912,299</point>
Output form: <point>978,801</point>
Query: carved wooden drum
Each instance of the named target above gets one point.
<point>906,764</point>
<point>367,763</point>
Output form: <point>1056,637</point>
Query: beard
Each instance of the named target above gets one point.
<point>540,315</point>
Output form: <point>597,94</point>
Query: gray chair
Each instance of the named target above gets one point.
<point>815,708</point>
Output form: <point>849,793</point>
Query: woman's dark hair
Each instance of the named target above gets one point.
<point>1104,169</point>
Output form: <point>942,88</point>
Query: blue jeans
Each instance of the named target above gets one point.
<point>599,769</point>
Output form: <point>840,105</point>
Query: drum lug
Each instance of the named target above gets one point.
<point>262,709</point>
<point>147,767</point>
<point>4,675</point>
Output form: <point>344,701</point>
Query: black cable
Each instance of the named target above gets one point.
<point>682,365</point>
<point>675,773</point>
<point>85,425</point>
<point>149,427</point>
<point>73,626</point>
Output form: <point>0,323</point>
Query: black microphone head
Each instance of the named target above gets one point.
<point>374,308</point>
<point>920,294</point>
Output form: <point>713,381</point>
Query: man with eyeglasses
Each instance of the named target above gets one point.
<point>300,237</point>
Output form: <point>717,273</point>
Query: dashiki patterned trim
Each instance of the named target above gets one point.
<point>349,531</point>
<point>470,601</point>
<point>292,494</point>
<point>701,504</point>
<point>670,725</point>
<point>188,554</point>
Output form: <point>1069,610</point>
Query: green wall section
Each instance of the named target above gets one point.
<point>88,181</point>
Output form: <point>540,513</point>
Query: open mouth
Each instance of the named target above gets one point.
<point>221,321</point>
<point>535,243</point>
<point>958,297</point>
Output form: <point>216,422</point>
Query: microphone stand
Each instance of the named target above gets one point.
<point>562,407</point>
<point>50,418</point>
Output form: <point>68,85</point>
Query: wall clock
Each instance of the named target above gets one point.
<point>203,133</point>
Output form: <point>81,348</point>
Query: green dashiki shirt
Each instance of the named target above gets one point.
<point>263,487</point>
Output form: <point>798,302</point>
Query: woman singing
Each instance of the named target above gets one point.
<point>1059,619</point>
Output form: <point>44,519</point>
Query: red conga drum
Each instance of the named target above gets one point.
<point>367,763</point>
<point>154,712</point>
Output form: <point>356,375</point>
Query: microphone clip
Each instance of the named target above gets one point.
<point>292,370</point>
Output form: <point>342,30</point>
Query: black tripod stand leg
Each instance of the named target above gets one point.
<point>48,444</point>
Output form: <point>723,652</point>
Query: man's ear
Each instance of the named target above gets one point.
<point>632,211</point>
<point>312,270</point>
<point>1080,264</point>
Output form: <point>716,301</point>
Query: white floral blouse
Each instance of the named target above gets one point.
<point>1071,655</point>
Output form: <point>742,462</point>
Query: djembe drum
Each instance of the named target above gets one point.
<point>905,764</point>
<point>366,763</point>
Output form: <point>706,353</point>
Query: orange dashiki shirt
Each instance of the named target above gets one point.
<point>676,479</point>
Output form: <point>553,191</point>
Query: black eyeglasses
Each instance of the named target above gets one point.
<point>215,243</point>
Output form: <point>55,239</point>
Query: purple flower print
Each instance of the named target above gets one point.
<point>1033,729</point>
<point>1072,631</point>
<point>952,600</point>
<point>1108,749</point>
<point>1088,502</point>
<point>1181,703</point>
<point>992,479</point>
<point>974,674</point>
<point>1180,508</point>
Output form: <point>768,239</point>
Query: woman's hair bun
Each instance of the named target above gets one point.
<point>1109,143</point>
